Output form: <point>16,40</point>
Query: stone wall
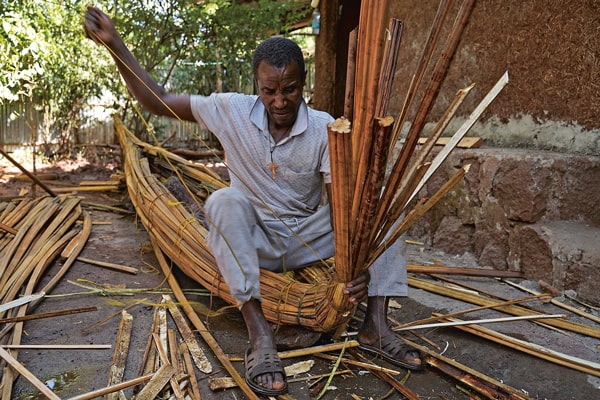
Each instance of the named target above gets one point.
<point>523,210</point>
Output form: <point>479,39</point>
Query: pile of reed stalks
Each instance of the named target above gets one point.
<point>33,233</point>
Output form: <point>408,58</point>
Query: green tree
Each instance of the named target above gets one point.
<point>187,45</point>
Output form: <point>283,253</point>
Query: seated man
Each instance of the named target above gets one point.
<point>278,159</point>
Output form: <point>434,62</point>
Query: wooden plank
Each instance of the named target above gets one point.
<point>188,337</point>
<point>117,368</point>
<point>464,143</point>
<point>157,383</point>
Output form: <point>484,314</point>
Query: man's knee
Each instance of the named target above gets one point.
<point>227,199</point>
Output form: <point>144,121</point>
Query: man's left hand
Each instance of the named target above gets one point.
<point>357,289</point>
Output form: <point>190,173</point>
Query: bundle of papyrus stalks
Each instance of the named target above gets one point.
<point>373,189</point>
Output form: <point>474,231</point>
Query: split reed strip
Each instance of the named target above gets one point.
<point>422,66</point>
<point>476,380</point>
<point>47,315</point>
<point>350,75</point>
<point>418,212</point>
<point>189,369</point>
<point>115,388</point>
<point>509,309</point>
<point>415,172</point>
<point>398,169</point>
<point>465,127</point>
<point>557,303</point>
<point>470,310</point>
<point>575,363</point>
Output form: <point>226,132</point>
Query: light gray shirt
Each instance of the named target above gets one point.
<point>240,123</point>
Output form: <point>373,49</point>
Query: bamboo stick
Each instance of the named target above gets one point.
<point>113,266</point>
<point>27,375</point>
<point>578,364</point>
<point>509,309</point>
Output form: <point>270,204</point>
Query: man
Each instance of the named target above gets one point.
<point>269,217</point>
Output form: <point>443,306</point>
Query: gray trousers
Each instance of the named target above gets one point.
<point>242,244</point>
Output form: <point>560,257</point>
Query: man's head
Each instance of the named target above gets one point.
<point>278,52</point>
<point>279,74</point>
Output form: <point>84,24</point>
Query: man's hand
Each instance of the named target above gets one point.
<point>357,289</point>
<point>99,27</point>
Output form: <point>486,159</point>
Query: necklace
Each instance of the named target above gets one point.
<point>272,165</point>
<point>272,145</point>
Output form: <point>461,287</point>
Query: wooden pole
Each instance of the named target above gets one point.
<point>29,174</point>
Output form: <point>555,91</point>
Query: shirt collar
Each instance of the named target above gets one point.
<point>258,116</point>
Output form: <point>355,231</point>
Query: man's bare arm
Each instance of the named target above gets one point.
<point>143,87</point>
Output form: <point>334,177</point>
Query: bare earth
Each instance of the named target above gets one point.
<point>122,240</point>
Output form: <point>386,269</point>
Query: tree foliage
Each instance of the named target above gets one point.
<point>189,46</point>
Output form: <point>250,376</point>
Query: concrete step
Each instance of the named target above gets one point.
<point>565,254</point>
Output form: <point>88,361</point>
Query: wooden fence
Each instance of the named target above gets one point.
<point>23,127</point>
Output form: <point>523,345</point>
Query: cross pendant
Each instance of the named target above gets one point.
<point>272,166</point>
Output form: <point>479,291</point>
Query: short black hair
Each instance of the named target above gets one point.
<point>278,52</point>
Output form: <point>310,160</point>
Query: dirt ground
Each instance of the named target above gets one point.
<point>121,239</point>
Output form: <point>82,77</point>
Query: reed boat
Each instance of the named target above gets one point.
<point>312,297</point>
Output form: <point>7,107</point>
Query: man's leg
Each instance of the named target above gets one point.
<point>388,279</point>
<point>236,237</point>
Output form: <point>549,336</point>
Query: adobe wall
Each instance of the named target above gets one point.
<point>530,200</point>
<point>551,52</point>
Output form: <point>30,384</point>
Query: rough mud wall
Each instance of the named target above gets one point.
<point>551,50</point>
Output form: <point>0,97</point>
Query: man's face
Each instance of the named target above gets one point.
<point>280,90</point>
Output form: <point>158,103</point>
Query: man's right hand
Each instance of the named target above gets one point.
<point>99,27</point>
